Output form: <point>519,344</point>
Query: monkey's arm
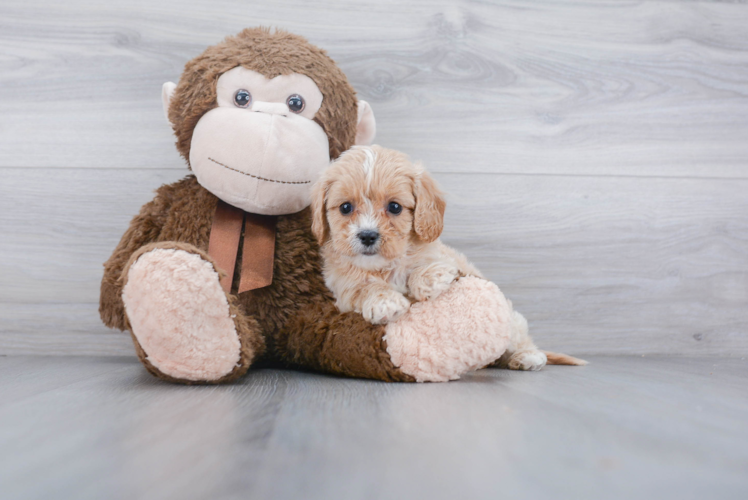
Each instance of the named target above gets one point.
<point>461,330</point>
<point>144,228</point>
<point>320,338</point>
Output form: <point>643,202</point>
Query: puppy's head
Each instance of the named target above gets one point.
<point>374,201</point>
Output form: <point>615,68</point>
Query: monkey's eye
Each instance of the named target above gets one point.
<point>295,103</point>
<point>394,208</point>
<point>346,208</point>
<point>242,98</point>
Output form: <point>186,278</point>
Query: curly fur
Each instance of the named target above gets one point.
<point>407,258</point>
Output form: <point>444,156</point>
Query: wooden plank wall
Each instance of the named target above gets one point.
<point>595,152</point>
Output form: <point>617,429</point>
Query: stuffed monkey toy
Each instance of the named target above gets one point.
<point>220,271</point>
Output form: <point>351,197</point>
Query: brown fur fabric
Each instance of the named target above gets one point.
<point>293,322</point>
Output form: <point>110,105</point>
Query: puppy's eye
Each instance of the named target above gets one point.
<point>296,103</point>
<point>346,208</point>
<point>242,98</point>
<point>394,208</point>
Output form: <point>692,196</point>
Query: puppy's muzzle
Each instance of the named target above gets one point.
<point>368,238</point>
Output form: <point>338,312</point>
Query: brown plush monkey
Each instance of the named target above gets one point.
<point>221,271</point>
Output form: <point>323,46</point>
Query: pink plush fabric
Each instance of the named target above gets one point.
<point>465,328</point>
<point>180,315</point>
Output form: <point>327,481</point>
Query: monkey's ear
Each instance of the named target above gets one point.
<point>428,216</point>
<point>320,227</point>
<point>367,125</point>
<point>166,92</point>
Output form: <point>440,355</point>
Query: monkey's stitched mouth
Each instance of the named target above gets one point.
<point>257,176</point>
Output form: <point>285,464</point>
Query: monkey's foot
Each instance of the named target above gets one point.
<point>180,315</point>
<point>465,328</point>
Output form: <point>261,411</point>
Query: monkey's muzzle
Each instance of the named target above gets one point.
<point>263,162</point>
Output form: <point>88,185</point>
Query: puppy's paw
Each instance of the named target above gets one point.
<point>527,360</point>
<point>429,283</point>
<point>385,307</point>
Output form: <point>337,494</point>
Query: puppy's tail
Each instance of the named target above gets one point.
<point>557,358</point>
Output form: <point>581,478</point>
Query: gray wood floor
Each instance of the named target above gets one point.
<point>622,427</point>
<point>595,152</point>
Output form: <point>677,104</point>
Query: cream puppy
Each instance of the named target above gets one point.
<point>378,218</point>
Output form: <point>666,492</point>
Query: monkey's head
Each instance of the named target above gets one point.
<point>259,116</point>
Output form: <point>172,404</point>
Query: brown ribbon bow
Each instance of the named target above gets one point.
<point>257,250</point>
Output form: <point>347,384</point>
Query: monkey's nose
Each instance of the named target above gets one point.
<point>271,108</point>
<point>368,238</point>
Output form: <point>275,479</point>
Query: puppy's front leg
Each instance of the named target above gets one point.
<point>379,303</point>
<point>428,282</point>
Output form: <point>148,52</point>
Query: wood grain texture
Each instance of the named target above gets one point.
<point>595,152</point>
<point>600,88</point>
<point>92,428</point>
<point>59,329</point>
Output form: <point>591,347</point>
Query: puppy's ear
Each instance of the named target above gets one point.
<point>320,227</point>
<point>428,218</point>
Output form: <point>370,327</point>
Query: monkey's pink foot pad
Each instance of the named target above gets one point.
<point>180,315</point>
<point>463,329</point>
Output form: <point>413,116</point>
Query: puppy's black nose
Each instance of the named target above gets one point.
<point>368,238</point>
